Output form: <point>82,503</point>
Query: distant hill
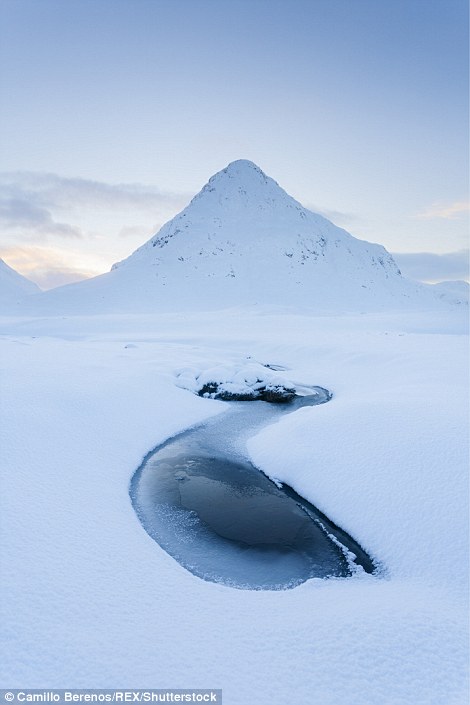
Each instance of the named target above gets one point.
<point>456,292</point>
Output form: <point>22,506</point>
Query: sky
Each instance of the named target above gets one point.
<point>115,113</point>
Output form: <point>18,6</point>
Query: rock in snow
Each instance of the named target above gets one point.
<point>244,240</point>
<point>239,382</point>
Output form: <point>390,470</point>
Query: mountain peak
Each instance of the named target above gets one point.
<point>244,240</point>
<point>243,166</point>
<point>242,188</point>
<point>242,219</point>
<point>245,173</point>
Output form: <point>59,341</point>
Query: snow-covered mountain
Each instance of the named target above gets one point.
<point>244,240</point>
<point>456,292</point>
<point>13,286</point>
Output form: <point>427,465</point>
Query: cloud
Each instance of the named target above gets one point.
<point>41,207</point>
<point>58,192</point>
<point>430,267</point>
<point>338,217</point>
<point>32,220</point>
<point>45,266</point>
<point>450,211</point>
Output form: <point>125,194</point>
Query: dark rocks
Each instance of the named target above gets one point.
<point>275,394</point>
<point>278,394</point>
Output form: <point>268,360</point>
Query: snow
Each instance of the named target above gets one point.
<point>89,600</point>
<point>392,424</point>
<point>96,374</point>
<point>13,287</point>
<point>456,292</point>
<point>243,378</point>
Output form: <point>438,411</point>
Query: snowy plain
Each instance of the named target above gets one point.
<point>89,600</point>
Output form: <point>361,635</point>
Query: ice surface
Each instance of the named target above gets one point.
<point>202,500</point>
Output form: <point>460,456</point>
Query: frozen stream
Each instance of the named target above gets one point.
<point>201,499</point>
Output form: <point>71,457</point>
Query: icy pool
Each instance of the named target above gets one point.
<point>201,499</point>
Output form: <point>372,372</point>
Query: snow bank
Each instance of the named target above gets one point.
<point>392,438</point>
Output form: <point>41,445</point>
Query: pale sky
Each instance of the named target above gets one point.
<point>115,113</point>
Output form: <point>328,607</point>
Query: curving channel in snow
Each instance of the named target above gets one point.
<point>202,500</point>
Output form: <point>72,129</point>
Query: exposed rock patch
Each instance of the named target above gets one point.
<point>245,381</point>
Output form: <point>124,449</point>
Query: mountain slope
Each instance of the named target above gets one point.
<point>13,286</point>
<point>244,240</point>
<point>455,292</point>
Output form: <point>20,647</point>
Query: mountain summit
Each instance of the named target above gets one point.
<point>241,202</point>
<point>243,240</point>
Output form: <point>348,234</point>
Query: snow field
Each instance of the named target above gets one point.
<point>89,600</point>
